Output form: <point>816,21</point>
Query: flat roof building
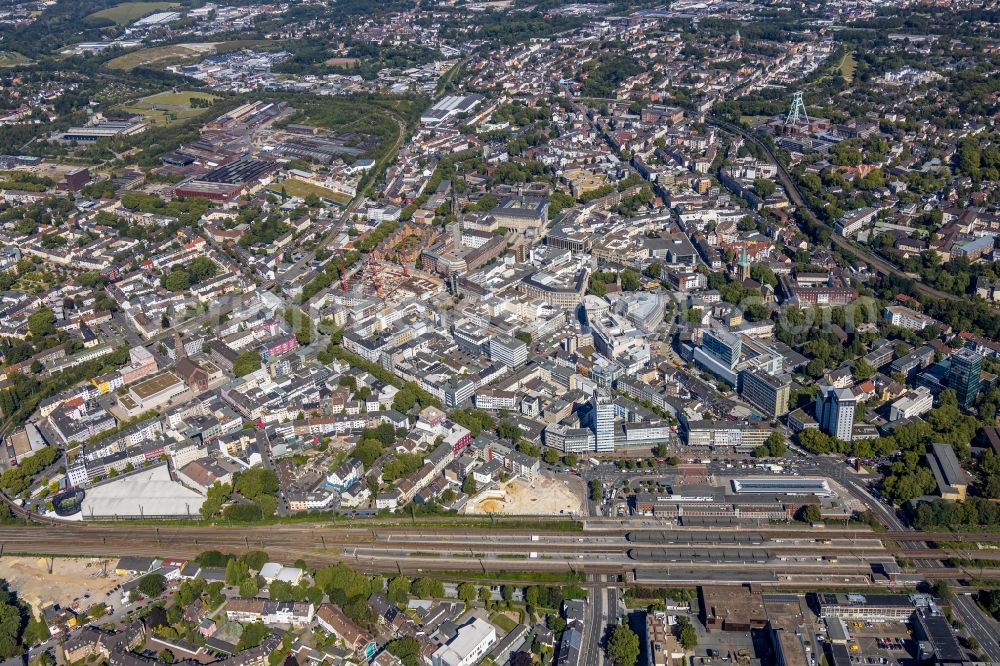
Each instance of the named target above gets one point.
<point>951,480</point>
<point>866,607</point>
<point>469,644</point>
<point>449,107</point>
<point>153,392</point>
<point>150,493</point>
<point>732,608</point>
<point>768,393</point>
<point>782,486</point>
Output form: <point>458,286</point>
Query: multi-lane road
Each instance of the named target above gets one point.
<point>984,628</point>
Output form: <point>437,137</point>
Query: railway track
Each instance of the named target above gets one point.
<point>407,527</point>
<point>483,550</point>
<point>876,262</point>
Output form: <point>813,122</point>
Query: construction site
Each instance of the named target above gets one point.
<point>390,271</point>
<point>43,581</point>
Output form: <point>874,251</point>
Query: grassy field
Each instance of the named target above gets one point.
<point>503,621</point>
<point>12,59</point>
<point>176,54</point>
<point>300,188</point>
<point>847,66</point>
<point>127,12</point>
<point>342,62</point>
<point>168,108</point>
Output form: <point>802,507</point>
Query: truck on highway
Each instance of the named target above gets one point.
<point>534,537</point>
<point>533,555</point>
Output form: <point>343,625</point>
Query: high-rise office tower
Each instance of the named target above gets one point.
<point>835,411</point>
<point>604,421</point>
<point>723,345</point>
<point>964,376</point>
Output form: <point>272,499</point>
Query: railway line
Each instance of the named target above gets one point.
<point>780,556</point>
<point>626,531</point>
<point>876,262</point>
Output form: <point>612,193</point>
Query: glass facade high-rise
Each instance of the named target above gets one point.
<point>964,376</point>
<point>604,421</point>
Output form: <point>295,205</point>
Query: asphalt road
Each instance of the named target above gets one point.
<point>594,631</point>
<point>985,629</point>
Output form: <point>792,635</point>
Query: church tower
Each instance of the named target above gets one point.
<point>743,267</point>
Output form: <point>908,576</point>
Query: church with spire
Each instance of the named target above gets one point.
<point>743,266</point>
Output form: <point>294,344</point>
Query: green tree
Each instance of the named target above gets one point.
<point>862,370</point>
<point>623,646</point>
<point>509,431</point>
<point>10,626</point>
<point>399,590</point>
<point>551,456</point>
<point>41,323</point>
<point>467,592</point>
<point>774,446</point>
<point>367,451</point>
<point>236,572</point>
<point>686,633</point>
<point>255,482</point>
<point>427,588</point>
<point>404,400</point>
<point>201,269</point>
<point>245,363</point>
<point>216,495</point>
<point>469,485</point>
<point>763,187</point>
<point>249,588</point>
<point>253,635</point>
<point>301,323</point>
<point>630,280</point>
<point>152,585</point>
<point>810,513</point>
<point>406,649</point>
<point>942,591</point>
<point>176,280</point>
<point>255,559</point>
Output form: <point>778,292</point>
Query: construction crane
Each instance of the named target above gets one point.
<point>373,274</point>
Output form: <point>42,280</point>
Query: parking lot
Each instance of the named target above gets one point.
<point>882,644</point>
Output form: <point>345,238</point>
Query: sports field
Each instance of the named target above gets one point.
<point>169,108</point>
<point>177,54</point>
<point>12,59</point>
<point>127,12</point>
<point>847,66</point>
<point>299,188</point>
